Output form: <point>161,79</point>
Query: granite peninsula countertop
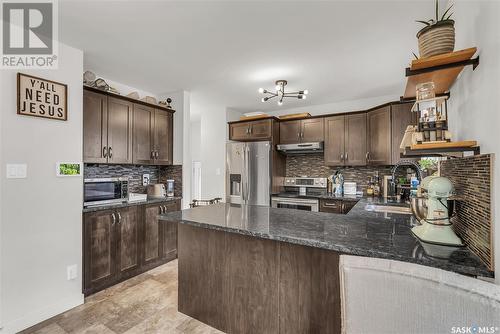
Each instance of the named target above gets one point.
<point>126,204</point>
<point>362,232</point>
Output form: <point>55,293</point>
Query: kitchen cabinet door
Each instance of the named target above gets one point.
<point>312,130</point>
<point>163,137</point>
<point>260,130</point>
<point>239,131</point>
<point>379,136</point>
<point>95,127</point>
<point>170,232</point>
<point>119,131</point>
<point>331,206</point>
<point>355,140</point>
<point>401,117</point>
<point>129,240</point>
<point>143,125</point>
<point>152,233</point>
<point>334,140</point>
<point>99,250</point>
<point>290,132</point>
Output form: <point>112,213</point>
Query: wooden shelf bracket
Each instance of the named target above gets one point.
<point>474,62</point>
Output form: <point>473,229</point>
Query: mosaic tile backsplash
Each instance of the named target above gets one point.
<point>134,173</point>
<point>313,165</point>
<point>471,178</point>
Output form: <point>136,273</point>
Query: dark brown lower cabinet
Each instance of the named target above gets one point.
<point>243,284</point>
<point>336,205</point>
<point>122,243</point>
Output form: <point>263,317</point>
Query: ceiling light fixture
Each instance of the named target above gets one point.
<point>281,94</point>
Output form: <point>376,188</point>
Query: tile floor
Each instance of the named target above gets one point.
<point>143,304</point>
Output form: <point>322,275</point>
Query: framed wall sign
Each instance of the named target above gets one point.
<point>69,168</point>
<point>41,97</point>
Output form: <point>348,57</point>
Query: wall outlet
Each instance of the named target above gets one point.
<point>72,272</point>
<point>217,171</point>
<point>145,179</point>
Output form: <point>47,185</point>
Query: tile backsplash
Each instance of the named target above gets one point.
<point>471,178</point>
<point>313,165</point>
<point>134,174</point>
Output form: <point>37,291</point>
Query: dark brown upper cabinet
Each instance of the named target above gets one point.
<point>107,129</point>
<point>119,148</point>
<point>379,143</point>
<point>163,135</point>
<point>345,140</point>
<point>117,130</point>
<point>153,136</point>
<point>401,117</point>
<point>95,127</point>
<point>143,125</point>
<point>251,130</point>
<point>302,131</point>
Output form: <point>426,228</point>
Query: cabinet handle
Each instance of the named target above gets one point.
<point>330,205</point>
<point>251,129</point>
<point>342,207</point>
<point>346,156</point>
<point>110,152</point>
<point>114,219</point>
<point>367,156</point>
<point>164,209</point>
<point>161,209</point>
<point>341,156</point>
<point>104,152</point>
<point>298,134</point>
<point>156,154</point>
<point>152,154</point>
<point>119,218</point>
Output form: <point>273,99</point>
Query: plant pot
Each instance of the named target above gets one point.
<point>436,39</point>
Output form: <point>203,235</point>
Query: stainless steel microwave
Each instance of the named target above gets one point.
<point>102,191</point>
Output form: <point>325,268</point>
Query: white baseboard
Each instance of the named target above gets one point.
<point>38,316</point>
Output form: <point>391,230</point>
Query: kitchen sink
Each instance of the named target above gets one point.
<point>389,209</point>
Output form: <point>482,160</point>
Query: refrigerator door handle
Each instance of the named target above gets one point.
<point>244,175</point>
<point>247,167</point>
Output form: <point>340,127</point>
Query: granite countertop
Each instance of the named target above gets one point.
<point>361,232</point>
<point>126,204</point>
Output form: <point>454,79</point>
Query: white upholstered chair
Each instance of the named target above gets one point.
<point>385,296</point>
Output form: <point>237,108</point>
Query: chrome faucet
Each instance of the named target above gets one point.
<point>407,163</point>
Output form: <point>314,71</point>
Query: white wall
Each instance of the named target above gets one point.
<point>41,216</point>
<point>196,140</point>
<point>474,111</point>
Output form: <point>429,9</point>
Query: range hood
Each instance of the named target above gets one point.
<point>315,147</point>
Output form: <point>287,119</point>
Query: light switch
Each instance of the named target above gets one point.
<point>71,272</point>
<point>17,171</point>
<point>217,171</point>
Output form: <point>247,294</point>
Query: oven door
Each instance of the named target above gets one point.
<point>104,191</point>
<point>295,203</point>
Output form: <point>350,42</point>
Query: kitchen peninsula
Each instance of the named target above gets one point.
<point>257,269</point>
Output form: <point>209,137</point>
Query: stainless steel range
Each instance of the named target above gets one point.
<point>300,193</point>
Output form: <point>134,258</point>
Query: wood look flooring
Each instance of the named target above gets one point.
<point>143,304</point>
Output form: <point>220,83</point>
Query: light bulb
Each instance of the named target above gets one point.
<point>261,90</point>
<point>278,87</point>
<point>280,103</point>
<point>306,92</point>
<point>264,99</point>
<point>304,97</point>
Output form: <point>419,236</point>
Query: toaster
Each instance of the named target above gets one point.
<point>156,190</point>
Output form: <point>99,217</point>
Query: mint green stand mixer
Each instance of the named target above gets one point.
<point>435,225</point>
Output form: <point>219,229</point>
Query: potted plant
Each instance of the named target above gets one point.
<point>438,35</point>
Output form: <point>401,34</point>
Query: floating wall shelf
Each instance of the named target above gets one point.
<point>443,70</point>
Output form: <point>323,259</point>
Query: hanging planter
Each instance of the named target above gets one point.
<point>438,36</point>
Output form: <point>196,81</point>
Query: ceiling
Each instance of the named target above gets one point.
<point>226,50</point>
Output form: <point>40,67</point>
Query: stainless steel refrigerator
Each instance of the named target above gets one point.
<point>248,173</point>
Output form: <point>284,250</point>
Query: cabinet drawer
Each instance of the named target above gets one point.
<point>332,206</point>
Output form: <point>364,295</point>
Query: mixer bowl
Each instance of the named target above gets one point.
<point>418,207</point>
